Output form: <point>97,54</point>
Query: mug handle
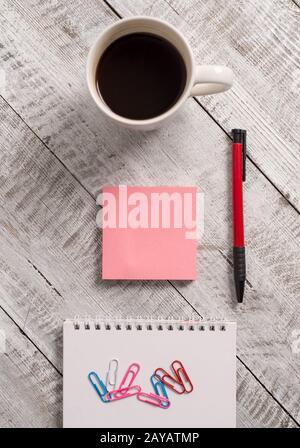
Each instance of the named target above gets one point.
<point>210,79</point>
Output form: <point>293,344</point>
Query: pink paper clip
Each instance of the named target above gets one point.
<point>119,394</point>
<point>129,376</point>
<point>173,383</point>
<point>155,400</point>
<point>181,373</point>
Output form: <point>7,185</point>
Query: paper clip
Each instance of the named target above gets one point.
<point>181,373</point>
<point>173,383</point>
<point>129,376</point>
<point>119,394</point>
<point>159,388</point>
<point>111,376</point>
<point>99,386</point>
<point>155,400</point>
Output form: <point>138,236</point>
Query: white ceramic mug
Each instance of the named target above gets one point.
<point>201,79</point>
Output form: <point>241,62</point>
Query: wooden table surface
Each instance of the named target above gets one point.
<point>57,150</point>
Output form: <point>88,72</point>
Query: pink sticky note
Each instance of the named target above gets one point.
<point>149,233</point>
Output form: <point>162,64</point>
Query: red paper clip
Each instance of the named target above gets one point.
<point>183,377</point>
<point>119,394</point>
<point>129,376</point>
<point>173,383</point>
<point>155,400</point>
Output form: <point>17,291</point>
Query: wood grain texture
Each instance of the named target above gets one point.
<point>296,2</point>
<point>30,388</point>
<point>48,217</point>
<point>51,246</point>
<point>255,409</point>
<point>261,42</point>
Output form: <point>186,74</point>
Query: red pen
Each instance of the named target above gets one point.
<point>238,177</point>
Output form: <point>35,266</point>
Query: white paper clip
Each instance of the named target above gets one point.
<point>111,376</point>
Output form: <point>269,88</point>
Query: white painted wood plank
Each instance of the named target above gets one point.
<point>255,408</point>
<point>137,165</point>
<point>261,42</point>
<point>48,231</point>
<point>30,388</point>
<point>57,250</point>
<point>47,242</point>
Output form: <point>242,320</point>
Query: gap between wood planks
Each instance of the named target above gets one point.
<point>186,300</point>
<point>296,2</point>
<point>31,341</point>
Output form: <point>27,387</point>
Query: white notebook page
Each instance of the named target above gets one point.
<point>209,358</point>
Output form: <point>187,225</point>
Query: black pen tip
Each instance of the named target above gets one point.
<point>240,287</point>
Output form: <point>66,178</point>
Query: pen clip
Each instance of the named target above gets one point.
<point>244,143</point>
<point>240,136</point>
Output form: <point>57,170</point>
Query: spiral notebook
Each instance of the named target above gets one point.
<point>207,350</point>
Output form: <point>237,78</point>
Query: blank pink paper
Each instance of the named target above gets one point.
<point>149,233</point>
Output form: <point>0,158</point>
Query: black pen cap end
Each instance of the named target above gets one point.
<point>240,291</point>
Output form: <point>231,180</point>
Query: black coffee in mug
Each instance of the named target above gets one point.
<point>141,76</point>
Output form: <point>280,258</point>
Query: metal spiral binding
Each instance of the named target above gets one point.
<point>139,324</point>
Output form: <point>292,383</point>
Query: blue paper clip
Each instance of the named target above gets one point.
<point>159,389</point>
<point>99,386</point>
